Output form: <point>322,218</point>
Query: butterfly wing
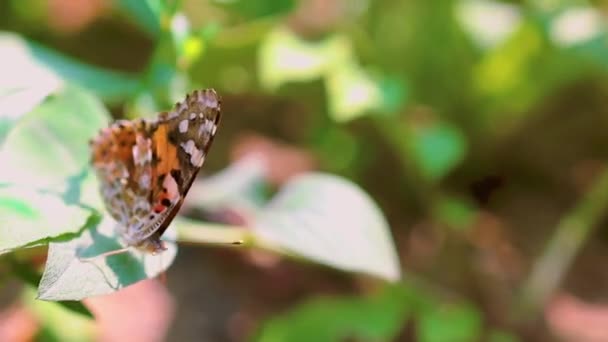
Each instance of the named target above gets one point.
<point>122,158</point>
<point>180,144</point>
<point>147,167</point>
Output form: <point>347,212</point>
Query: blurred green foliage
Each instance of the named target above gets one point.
<point>421,90</point>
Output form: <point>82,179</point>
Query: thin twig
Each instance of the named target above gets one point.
<point>196,232</point>
<point>570,235</point>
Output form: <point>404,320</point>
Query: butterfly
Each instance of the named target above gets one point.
<point>145,167</point>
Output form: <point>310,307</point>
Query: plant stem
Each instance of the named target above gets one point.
<point>570,234</point>
<point>196,232</point>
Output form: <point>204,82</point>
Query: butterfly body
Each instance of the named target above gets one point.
<point>146,166</point>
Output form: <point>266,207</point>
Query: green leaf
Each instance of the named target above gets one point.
<point>436,147</point>
<point>32,71</point>
<point>49,145</point>
<point>330,220</point>
<point>450,322</point>
<point>456,212</point>
<point>69,276</point>
<point>146,13</point>
<point>30,217</point>
<point>376,318</point>
<point>394,93</point>
<point>337,148</point>
<point>257,9</point>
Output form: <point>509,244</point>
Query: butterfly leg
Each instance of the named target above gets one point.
<point>104,254</point>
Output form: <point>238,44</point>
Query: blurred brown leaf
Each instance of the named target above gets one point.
<point>141,312</point>
<point>282,161</point>
<point>574,320</point>
<point>17,324</point>
<point>68,16</point>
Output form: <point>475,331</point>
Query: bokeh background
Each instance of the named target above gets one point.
<point>479,128</point>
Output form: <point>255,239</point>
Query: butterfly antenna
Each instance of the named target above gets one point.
<point>105,254</point>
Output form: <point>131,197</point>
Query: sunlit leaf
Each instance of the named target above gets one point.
<point>284,57</point>
<point>49,145</point>
<point>68,276</point>
<point>29,216</point>
<point>29,66</point>
<point>488,22</point>
<point>317,217</point>
<point>576,25</point>
<point>352,92</point>
<point>240,186</point>
<point>376,318</point>
<point>515,75</point>
<point>29,274</point>
<point>507,66</point>
<point>329,220</point>
<point>25,82</point>
<point>188,46</point>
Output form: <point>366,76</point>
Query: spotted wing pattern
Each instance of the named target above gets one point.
<point>146,167</point>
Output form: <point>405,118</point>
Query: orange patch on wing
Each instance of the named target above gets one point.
<point>164,150</point>
<point>114,143</point>
<point>167,152</point>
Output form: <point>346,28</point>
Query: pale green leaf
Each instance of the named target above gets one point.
<point>284,57</point>
<point>29,217</point>
<point>238,187</point>
<point>49,145</point>
<point>68,276</point>
<point>352,92</point>
<point>330,220</point>
<point>32,71</point>
<point>24,82</point>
